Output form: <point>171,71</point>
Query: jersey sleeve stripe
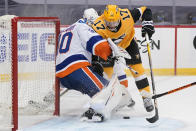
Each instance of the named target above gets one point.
<point>125,83</point>
<point>70,60</point>
<point>92,41</point>
<point>140,77</point>
<point>122,77</point>
<point>123,80</point>
<point>97,44</point>
<point>72,68</point>
<point>96,81</point>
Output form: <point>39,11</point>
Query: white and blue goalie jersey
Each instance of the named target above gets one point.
<point>76,45</point>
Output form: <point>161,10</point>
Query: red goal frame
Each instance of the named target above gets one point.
<point>15,66</point>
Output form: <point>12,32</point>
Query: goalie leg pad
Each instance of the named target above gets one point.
<point>106,100</point>
<point>126,100</point>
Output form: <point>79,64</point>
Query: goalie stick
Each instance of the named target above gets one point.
<point>47,101</point>
<point>156,115</point>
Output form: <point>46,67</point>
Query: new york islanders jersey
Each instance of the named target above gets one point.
<point>76,45</point>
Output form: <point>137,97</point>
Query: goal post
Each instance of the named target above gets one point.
<point>28,85</point>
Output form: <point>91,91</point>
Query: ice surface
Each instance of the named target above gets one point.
<point>133,124</point>
<point>177,111</point>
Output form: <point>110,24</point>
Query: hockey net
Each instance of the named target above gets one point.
<point>27,68</point>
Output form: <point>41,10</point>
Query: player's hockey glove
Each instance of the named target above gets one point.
<point>147,27</point>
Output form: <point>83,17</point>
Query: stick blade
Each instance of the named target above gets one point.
<point>154,118</point>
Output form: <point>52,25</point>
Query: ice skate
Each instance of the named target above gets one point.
<point>148,104</point>
<point>92,116</point>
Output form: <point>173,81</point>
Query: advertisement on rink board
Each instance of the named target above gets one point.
<point>186,51</point>
<point>32,47</point>
<point>36,52</point>
<point>162,50</point>
<point>194,42</point>
<point>173,49</point>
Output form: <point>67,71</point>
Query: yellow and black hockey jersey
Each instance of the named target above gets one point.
<point>126,32</point>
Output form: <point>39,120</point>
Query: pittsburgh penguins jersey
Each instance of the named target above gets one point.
<point>76,45</point>
<point>126,32</point>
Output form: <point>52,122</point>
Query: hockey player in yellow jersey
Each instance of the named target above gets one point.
<point>118,24</point>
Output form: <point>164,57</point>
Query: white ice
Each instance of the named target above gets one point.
<point>177,111</point>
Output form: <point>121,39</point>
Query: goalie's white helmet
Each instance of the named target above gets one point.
<point>90,15</point>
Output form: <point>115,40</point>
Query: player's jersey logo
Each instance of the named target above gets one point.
<point>119,39</point>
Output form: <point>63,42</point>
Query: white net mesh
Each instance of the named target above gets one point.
<point>5,72</point>
<point>36,68</point>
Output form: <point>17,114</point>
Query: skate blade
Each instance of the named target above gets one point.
<point>94,119</point>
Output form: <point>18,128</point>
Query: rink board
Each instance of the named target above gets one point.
<point>172,51</point>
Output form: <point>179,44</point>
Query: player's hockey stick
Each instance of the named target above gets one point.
<point>64,91</point>
<point>48,100</point>
<point>156,116</point>
<point>174,90</point>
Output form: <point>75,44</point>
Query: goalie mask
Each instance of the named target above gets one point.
<point>90,15</point>
<point>112,17</point>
